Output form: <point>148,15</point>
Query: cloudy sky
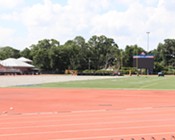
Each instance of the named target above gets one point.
<point>25,22</point>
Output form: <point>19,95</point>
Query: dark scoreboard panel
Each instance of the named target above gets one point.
<point>143,61</point>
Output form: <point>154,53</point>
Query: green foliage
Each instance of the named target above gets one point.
<point>166,52</point>
<point>169,70</point>
<point>7,52</point>
<point>128,70</point>
<point>41,53</point>
<point>96,72</point>
<point>26,53</point>
<point>83,53</point>
<point>104,51</point>
<point>72,51</point>
<point>128,54</point>
<point>99,52</point>
<point>158,67</point>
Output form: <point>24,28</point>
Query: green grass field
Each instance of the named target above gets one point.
<point>133,82</point>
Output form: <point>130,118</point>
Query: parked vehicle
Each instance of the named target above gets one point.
<point>160,74</point>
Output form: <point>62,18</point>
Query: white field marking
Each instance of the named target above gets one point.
<point>87,111</point>
<point>144,81</point>
<point>24,115</point>
<point>72,113</point>
<point>117,136</point>
<point>68,119</point>
<point>141,108</point>
<point>150,81</point>
<point>110,112</point>
<point>79,112</point>
<point>47,114</point>
<point>131,111</point>
<point>79,124</point>
<point>80,130</point>
<point>148,85</point>
<point>39,113</point>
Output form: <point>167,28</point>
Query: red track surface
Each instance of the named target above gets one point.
<point>74,114</point>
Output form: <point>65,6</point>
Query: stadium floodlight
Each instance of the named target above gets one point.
<point>148,41</point>
<point>148,47</point>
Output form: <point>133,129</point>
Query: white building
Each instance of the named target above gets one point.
<point>17,66</point>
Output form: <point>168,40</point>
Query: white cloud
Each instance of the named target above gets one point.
<point>127,21</point>
<point>10,3</point>
<point>5,34</point>
<point>37,15</point>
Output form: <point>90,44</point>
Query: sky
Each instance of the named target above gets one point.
<point>25,22</point>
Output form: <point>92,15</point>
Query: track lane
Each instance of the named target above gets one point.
<point>86,114</point>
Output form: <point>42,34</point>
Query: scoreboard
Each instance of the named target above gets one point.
<point>143,61</point>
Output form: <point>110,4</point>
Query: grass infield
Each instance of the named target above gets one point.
<point>133,82</point>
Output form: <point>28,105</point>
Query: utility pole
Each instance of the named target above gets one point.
<point>148,41</point>
<point>147,48</point>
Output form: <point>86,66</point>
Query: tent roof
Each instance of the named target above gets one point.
<point>12,62</point>
<point>24,59</point>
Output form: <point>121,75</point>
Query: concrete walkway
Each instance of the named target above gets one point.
<point>17,80</point>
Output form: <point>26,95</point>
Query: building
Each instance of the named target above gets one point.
<point>23,59</point>
<point>17,66</point>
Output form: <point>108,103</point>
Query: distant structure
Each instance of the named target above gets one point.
<point>26,60</point>
<point>143,61</point>
<point>17,66</point>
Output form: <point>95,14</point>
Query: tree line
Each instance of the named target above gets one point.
<point>99,52</point>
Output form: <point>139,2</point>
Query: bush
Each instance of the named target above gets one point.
<point>128,70</point>
<point>96,72</point>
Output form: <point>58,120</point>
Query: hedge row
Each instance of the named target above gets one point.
<point>96,72</point>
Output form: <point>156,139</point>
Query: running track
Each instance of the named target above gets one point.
<point>74,114</point>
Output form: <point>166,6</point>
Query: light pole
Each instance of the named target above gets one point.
<point>147,48</point>
<point>148,41</point>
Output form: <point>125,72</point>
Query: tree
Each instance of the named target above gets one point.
<point>72,52</point>
<point>40,54</point>
<point>58,59</point>
<point>167,52</point>
<point>104,51</point>
<point>84,54</point>
<point>7,52</point>
<point>129,52</point>
<point>26,53</point>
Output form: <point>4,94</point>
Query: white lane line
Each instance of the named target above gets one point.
<point>78,124</point>
<point>50,113</point>
<point>80,130</point>
<point>117,136</point>
<point>101,120</point>
<point>91,112</point>
<point>80,112</point>
<point>87,124</point>
<point>98,129</point>
<point>141,108</point>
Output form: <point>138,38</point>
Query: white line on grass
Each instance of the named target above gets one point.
<point>152,82</point>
